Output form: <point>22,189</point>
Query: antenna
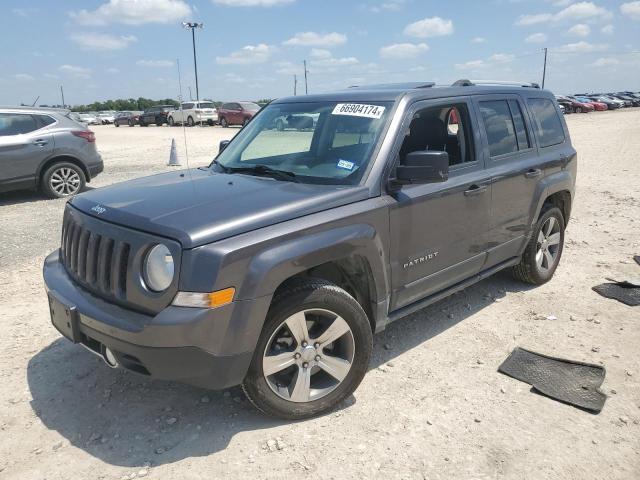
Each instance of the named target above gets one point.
<point>36,100</point>
<point>295,85</point>
<point>306,88</point>
<point>184,128</point>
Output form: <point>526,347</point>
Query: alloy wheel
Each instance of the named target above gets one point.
<point>548,244</point>
<point>65,181</point>
<point>308,355</point>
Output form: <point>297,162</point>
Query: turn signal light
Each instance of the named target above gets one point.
<point>215,299</point>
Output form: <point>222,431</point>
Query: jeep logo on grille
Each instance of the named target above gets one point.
<point>98,209</point>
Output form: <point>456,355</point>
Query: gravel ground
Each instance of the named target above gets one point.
<point>432,406</point>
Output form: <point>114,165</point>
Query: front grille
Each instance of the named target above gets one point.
<point>96,261</point>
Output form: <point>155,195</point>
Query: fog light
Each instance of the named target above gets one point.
<point>110,358</point>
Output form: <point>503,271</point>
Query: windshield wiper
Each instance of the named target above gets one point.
<point>264,170</point>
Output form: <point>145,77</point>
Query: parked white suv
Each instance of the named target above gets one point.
<point>194,112</point>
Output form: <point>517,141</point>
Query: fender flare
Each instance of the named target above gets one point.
<point>554,183</point>
<point>271,267</point>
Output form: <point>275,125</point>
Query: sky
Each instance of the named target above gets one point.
<point>251,49</point>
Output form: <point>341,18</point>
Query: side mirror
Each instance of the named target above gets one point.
<point>426,166</point>
<point>223,145</point>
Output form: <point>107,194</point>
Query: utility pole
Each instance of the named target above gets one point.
<point>295,85</point>
<point>306,87</point>
<point>193,27</point>
<point>544,70</point>
<point>62,94</point>
<point>190,96</point>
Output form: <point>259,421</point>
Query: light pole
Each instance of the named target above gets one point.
<point>544,70</point>
<point>193,26</point>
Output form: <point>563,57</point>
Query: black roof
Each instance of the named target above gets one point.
<point>417,90</point>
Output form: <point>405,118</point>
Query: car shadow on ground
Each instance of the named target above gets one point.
<point>28,196</point>
<point>128,420</point>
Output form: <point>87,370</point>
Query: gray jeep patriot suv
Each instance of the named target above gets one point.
<point>273,267</point>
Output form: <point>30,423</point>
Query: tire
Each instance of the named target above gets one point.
<point>159,122</point>
<point>245,121</point>
<point>279,125</point>
<point>116,124</point>
<point>536,266</point>
<point>210,122</point>
<point>172,122</point>
<point>578,110</point>
<point>224,123</point>
<point>62,179</point>
<point>190,121</point>
<point>130,123</point>
<point>324,305</point>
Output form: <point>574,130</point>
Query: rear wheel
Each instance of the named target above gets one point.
<point>130,123</point>
<point>62,179</point>
<point>223,122</point>
<point>279,125</point>
<point>116,124</point>
<point>578,109</point>
<point>172,122</point>
<point>190,121</point>
<point>543,252</point>
<point>159,122</point>
<point>313,351</point>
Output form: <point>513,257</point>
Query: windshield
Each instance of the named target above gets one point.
<point>319,142</point>
<point>252,107</point>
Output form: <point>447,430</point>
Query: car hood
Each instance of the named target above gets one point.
<point>199,206</point>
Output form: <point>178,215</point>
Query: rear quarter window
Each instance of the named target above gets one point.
<point>546,122</point>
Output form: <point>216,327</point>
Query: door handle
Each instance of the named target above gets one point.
<point>533,173</point>
<point>475,190</point>
<point>40,142</point>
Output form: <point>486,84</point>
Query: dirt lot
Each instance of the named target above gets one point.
<point>432,406</point>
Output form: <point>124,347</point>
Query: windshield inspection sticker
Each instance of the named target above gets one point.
<point>359,110</point>
<point>346,165</point>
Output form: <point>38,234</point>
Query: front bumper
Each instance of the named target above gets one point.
<point>210,348</point>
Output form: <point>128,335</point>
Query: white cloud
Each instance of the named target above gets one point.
<point>24,12</point>
<point>631,10</point>
<point>478,40</point>
<point>575,11</point>
<point>334,62</point>
<point>314,39</point>
<point>155,63</point>
<point>75,71</point>
<point>252,3</point>
<point>248,55</point>
<point>605,62</point>
<point>501,57</point>
<point>102,41</point>
<point>471,65</point>
<point>526,20</point>
<point>24,77</point>
<point>387,6</point>
<point>403,50</point>
<point>113,70</point>
<point>581,47</point>
<point>579,30</point>
<point>536,38</point>
<point>320,53</point>
<point>429,27</point>
<point>134,12</point>
<point>607,29</point>
<point>51,75</point>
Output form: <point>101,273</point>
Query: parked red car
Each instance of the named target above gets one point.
<point>583,106</point>
<point>598,106</point>
<point>237,113</point>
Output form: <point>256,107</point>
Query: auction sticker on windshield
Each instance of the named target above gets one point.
<point>359,110</point>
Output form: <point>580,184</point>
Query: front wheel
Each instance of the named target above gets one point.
<point>224,123</point>
<point>172,122</point>
<point>190,122</point>
<point>543,252</point>
<point>116,124</point>
<point>312,353</point>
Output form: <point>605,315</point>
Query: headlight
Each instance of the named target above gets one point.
<point>158,269</point>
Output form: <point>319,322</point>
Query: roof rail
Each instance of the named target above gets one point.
<point>470,83</point>
<point>396,86</point>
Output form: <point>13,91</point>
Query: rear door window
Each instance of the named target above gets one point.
<point>547,124</point>
<point>498,124</point>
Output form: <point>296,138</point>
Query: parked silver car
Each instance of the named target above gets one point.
<point>46,149</point>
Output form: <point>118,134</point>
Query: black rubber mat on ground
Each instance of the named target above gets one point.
<point>571,382</point>
<point>625,292</point>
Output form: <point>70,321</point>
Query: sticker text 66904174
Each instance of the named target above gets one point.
<point>359,110</point>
